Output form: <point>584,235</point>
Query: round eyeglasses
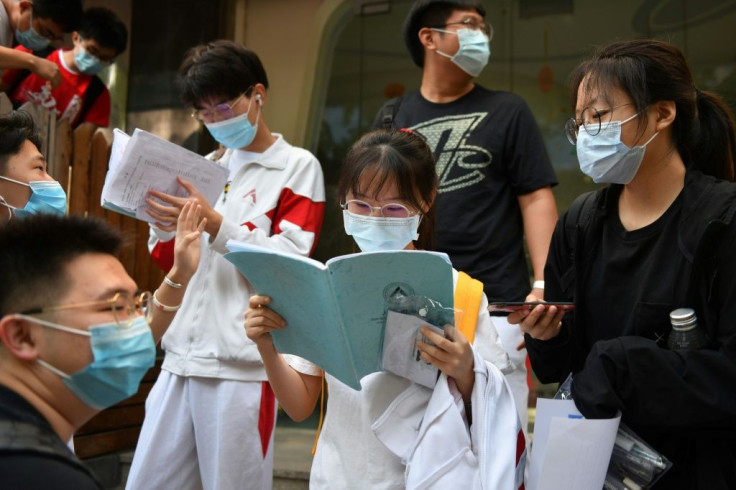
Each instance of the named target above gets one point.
<point>390,210</point>
<point>592,120</point>
<point>125,308</point>
<point>224,110</point>
<point>471,23</point>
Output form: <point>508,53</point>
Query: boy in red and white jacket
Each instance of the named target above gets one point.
<point>210,416</point>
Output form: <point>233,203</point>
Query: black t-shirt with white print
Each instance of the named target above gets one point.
<point>489,150</point>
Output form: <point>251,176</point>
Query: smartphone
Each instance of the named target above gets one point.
<point>506,307</point>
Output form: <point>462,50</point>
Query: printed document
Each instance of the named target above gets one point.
<point>143,162</point>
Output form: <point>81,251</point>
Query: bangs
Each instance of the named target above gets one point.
<point>377,167</point>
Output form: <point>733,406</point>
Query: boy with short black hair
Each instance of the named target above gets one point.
<point>211,414</point>
<point>35,25</point>
<point>81,97</point>
<point>25,186</point>
<point>495,176</point>
<point>75,338</point>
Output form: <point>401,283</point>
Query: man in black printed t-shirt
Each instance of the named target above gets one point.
<point>495,175</point>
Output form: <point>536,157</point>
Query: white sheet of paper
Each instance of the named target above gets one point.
<point>568,451</point>
<point>400,354</point>
<point>146,162</point>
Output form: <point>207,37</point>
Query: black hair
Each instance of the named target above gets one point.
<point>220,68</point>
<point>397,156</point>
<point>65,13</point>
<point>15,128</point>
<point>36,251</point>
<point>103,26</point>
<point>650,71</point>
<point>432,13</point>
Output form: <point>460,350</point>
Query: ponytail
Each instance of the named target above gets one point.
<point>714,139</point>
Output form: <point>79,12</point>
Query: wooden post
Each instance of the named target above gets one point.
<point>80,185</point>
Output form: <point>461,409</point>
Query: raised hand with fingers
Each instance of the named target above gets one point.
<point>187,247</point>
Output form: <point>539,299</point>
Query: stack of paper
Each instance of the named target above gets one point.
<point>144,161</point>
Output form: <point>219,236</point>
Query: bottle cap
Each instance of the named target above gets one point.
<point>683,319</point>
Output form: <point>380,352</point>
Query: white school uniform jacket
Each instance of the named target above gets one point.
<point>428,430</point>
<point>275,199</point>
<point>349,452</point>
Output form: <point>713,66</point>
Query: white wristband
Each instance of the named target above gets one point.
<point>162,306</point>
<point>538,285</point>
<point>172,283</point>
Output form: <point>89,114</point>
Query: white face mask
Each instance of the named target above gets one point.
<point>473,53</point>
<point>373,234</point>
<point>607,160</point>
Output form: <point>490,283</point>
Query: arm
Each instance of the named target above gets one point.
<point>186,258</point>
<point>547,330</point>
<point>539,213</point>
<point>15,58</point>
<point>297,392</point>
<point>690,390</point>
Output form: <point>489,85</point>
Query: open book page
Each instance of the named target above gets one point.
<point>336,319</point>
<point>301,293</point>
<point>149,162</point>
<point>364,283</point>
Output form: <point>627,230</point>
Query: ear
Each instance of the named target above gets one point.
<point>259,92</point>
<point>429,204</point>
<point>17,335</point>
<point>665,112</point>
<point>24,5</point>
<point>75,37</point>
<point>426,37</point>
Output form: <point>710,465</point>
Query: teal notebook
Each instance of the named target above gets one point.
<point>336,312</point>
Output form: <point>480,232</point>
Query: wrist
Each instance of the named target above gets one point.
<point>538,284</point>
<point>176,276</point>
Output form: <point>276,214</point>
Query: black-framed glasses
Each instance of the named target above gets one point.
<point>390,210</point>
<point>592,120</point>
<point>125,307</point>
<point>224,110</point>
<point>471,23</point>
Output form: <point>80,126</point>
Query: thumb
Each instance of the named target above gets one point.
<point>188,186</point>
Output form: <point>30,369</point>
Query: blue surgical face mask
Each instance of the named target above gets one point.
<point>236,132</point>
<point>373,233</point>
<point>605,158</point>
<point>122,356</point>
<point>87,63</point>
<point>47,196</point>
<point>473,53</point>
<point>31,39</point>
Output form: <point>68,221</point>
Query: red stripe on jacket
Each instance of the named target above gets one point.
<point>296,209</point>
